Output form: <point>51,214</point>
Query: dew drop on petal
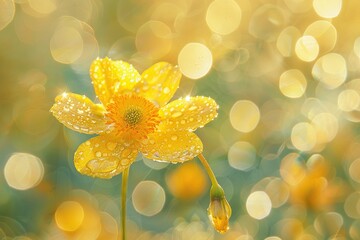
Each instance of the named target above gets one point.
<point>111,146</point>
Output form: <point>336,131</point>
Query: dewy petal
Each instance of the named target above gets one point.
<point>159,83</point>
<point>171,146</point>
<point>111,77</point>
<point>188,113</point>
<point>80,114</point>
<point>104,156</point>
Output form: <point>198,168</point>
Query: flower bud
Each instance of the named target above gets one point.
<point>219,210</point>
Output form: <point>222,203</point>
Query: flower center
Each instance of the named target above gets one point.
<point>133,117</point>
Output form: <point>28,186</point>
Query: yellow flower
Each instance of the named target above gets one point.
<point>219,210</point>
<point>133,117</point>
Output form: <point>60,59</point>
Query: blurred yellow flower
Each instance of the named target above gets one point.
<point>133,117</point>
<point>187,182</point>
<point>219,210</point>
<point>316,191</point>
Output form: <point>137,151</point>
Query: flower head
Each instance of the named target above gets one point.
<point>133,116</point>
<point>219,210</point>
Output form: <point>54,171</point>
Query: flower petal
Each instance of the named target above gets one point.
<point>188,113</point>
<point>171,146</point>
<point>80,114</point>
<point>111,77</point>
<point>159,83</point>
<point>104,156</point>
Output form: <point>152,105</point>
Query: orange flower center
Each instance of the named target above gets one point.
<point>133,117</point>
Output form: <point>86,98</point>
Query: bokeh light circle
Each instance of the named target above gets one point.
<point>66,45</point>
<point>327,8</point>
<point>7,12</point>
<point>352,205</point>
<point>242,156</point>
<point>258,205</point>
<point>326,126</point>
<point>195,60</point>
<point>23,171</point>
<point>223,16</point>
<point>292,83</point>
<point>244,116</point>
<point>286,40</point>
<point>348,100</point>
<point>303,136</point>
<point>331,70</point>
<point>354,170</point>
<point>307,48</point>
<point>325,34</point>
<point>148,198</point>
<point>69,216</point>
<point>154,38</point>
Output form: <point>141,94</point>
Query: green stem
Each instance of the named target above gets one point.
<point>208,170</point>
<point>125,176</point>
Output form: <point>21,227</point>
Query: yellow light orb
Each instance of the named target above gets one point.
<point>43,6</point>
<point>244,116</point>
<point>258,205</point>
<point>354,170</point>
<point>69,216</point>
<point>307,48</point>
<point>242,156</point>
<point>330,70</point>
<point>154,39</point>
<point>326,126</point>
<point>286,40</point>
<point>292,83</point>
<point>223,16</point>
<point>327,8</point>
<point>348,100</point>
<point>7,12</point>
<point>325,34</point>
<point>195,60</point>
<point>23,171</point>
<point>66,45</point>
<point>148,198</point>
<point>303,136</point>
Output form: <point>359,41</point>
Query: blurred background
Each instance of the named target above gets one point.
<point>285,146</point>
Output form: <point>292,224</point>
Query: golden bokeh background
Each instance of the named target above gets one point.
<point>285,146</point>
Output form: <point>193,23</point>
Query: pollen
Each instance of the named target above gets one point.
<point>133,117</point>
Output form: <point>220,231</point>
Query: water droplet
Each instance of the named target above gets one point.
<point>87,143</point>
<point>98,154</point>
<point>176,114</point>
<point>126,153</point>
<point>79,111</point>
<point>192,108</point>
<point>111,146</point>
<point>166,90</point>
<point>124,162</point>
